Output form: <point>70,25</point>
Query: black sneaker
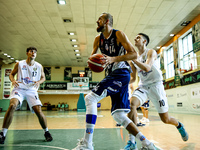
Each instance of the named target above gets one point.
<point>2,138</point>
<point>48,136</point>
<point>140,124</point>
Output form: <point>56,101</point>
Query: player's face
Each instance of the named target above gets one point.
<point>101,23</point>
<point>139,41</point>
<point>32,54</point>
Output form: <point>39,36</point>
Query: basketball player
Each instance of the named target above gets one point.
<point>117,50</point>
<point>150,87</point>
<point>30,75</point>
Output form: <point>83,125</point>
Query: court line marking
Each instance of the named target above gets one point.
<point>34,146</point>
<point>70,116</point>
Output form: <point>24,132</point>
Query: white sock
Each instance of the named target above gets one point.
<point>46,129</point>
<point>131,138</point>
<point>4,130</point>
<point>89,132</point>
<point>143,139</point>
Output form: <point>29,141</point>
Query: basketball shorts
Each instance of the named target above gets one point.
<point>156,93</point>
<point>31,95</point>
<point>115,85</point>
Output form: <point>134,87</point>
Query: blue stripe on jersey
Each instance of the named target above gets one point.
<point>90,118</point>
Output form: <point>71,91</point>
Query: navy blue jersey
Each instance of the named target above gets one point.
<point>110,47</point>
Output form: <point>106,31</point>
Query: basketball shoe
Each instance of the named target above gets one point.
<point>140,124</point>
<point>183,132</point>
<point>83,145</point>
<point>151,146</point>
<point>131,146</point>
<point>48,136</point>
<point>2,138</point>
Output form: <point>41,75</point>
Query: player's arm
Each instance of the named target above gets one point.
<point>133,74</point>
<point>12,75</point>
<point>131,53</point>
<point>95,45</point>
<point>42,79</point>
<point>151,57</point>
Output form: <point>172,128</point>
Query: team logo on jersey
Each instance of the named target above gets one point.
<point>24,67</point>
<point>34,69</point>
<point>144,73</point>
<point>16,93</point>
<point>118,83</point>
<point>89,130</point>
<point>106,47</point>
<point>101,42</point>
<point>27,80</point>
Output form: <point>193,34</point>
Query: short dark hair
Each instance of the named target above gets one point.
<point>30,48</point>
<point>109,17</point>
<point>146,37</point>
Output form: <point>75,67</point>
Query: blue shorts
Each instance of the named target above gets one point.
<point>116,85</point>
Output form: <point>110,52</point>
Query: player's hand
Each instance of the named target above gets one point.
<point>36,84</point>
<point>15,83</point>
<point>109,60</point>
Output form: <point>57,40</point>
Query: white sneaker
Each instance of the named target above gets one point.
<point>143,120</point>
<point>83,145</point>
<point>151,146</point>
<point>147,120</point>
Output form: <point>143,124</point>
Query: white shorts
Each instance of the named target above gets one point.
<point>30,95</point>
<point>154,92</point>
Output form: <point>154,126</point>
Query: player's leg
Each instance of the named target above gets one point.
<point>8,118</point>
<point>133,130</point>
<point>91,100</point>
<point>159,99</point>
<point>139,97</point>
<point>43,122</point>
<point>143,120</point>
<point>146,115</point>
<point>171,120</point>
<point>35,105</point>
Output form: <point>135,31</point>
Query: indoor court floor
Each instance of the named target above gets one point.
<point>66,127</point>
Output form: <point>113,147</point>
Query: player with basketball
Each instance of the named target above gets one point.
<point>30,75</point>
<point>150,87</point>
<point>117,50</point>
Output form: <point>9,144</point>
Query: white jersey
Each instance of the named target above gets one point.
<point>153,76</point>
<point>28,74</point>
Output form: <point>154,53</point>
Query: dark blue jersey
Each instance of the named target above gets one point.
<point>110,47</point>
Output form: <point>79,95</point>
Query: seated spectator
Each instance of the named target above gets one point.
<point>59,105</point>
<point>62,106</point>
<point>66,107</point>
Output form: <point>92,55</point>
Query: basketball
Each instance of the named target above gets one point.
<point>95,63</point>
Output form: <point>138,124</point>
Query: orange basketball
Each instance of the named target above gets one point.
<point>96,64</point>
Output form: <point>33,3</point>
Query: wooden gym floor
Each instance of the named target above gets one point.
<point>66,127</point>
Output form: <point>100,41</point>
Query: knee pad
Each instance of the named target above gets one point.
<point>94,98</point>
<point>121,118</point>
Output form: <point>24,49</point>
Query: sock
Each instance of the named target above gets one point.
<point>46,129</point>
<point>179,125</point>
<point>131,138</point>
<point>89,132</point>
<point>143,139</point>
<point>4,130</point>
<point>90,123</point>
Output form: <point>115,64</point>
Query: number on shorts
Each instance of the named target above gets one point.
<point>162,103</point>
